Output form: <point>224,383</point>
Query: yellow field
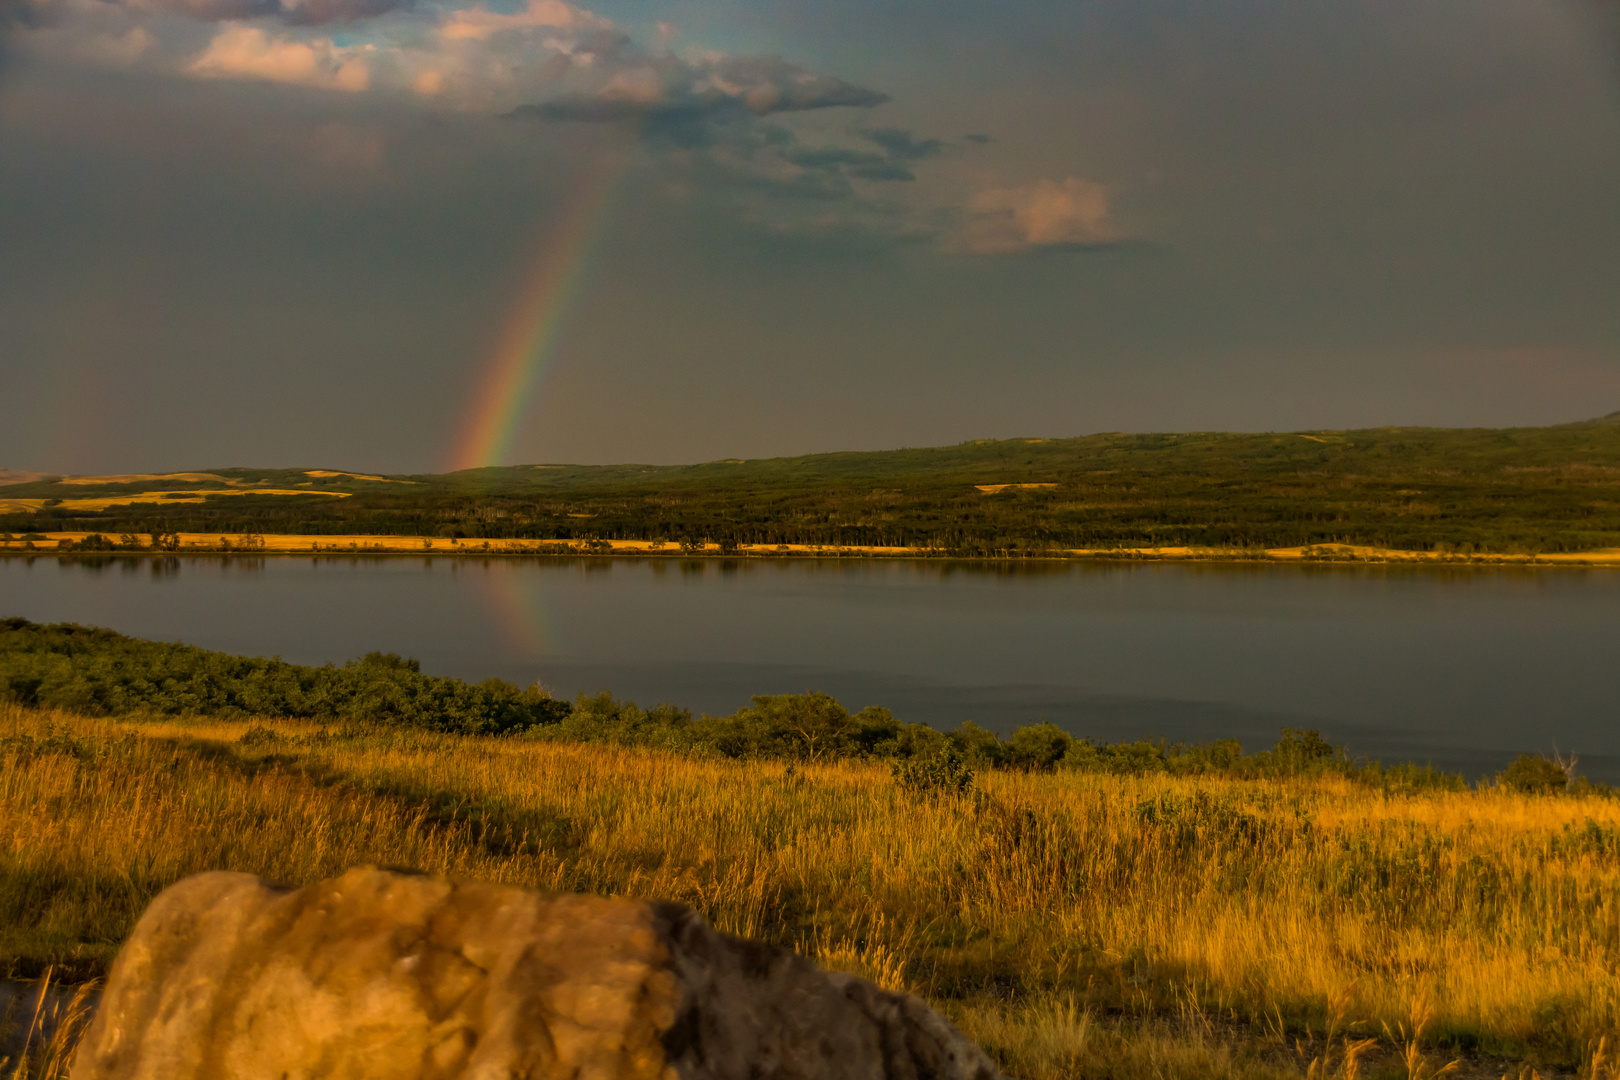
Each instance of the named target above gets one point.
<point>1076,924</point>
<point>193,496</point>
<point>181,496</point>
<point>357,476</point>
<point>142,478</point>
<point>991,489</point>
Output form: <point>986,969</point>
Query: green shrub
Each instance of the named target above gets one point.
<point>1534,774</point>
<point>1301,750</point>
<point>945,773</point>
<point>1122,759</point>
<point>102,673</point>
<point>978,745</point>
<point>1038,747</point>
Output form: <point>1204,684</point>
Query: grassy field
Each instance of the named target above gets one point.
<point>1515,491</point>
<point>1077,924</point>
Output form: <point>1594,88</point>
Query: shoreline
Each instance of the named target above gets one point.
<point>362,544</point>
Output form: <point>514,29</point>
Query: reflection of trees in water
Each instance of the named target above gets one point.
<point>161,567</point>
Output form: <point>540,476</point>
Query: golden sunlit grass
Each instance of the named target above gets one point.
<point>39,1030</point>
<point>1075,924</point>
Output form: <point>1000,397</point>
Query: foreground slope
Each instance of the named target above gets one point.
<point>1253,914</point>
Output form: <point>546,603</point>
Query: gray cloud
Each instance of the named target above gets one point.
<point>305,13</point>
<point>860,163</point>
<point>678,98</point>
<point>881,170</point>
<point>15,15</point>
<point>19,13</point>
<point>899,150</point>
<point>899,144</point>
<point>770,84</point>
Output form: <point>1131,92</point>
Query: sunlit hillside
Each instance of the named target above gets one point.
<point>1507,491</point>
<point>1079,924</point>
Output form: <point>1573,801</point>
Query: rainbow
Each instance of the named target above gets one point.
<point>518,603</point>
<point>532,330</point>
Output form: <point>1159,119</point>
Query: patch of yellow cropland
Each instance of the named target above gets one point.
<point>20,506</point>
<point>194,496</point>
<point>141,478</point>
<point>356,476</point>
<point>991,489</point>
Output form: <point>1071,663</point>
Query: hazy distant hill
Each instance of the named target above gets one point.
<point>1552,488</point>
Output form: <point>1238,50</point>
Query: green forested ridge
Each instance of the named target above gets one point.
<point>1501,490</point>
<point>99,672</point>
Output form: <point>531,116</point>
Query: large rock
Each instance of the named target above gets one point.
<point>378,975</point>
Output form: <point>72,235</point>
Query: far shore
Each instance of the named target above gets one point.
<point>301,544</point>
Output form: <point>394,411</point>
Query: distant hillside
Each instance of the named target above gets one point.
<point>1516,489</point>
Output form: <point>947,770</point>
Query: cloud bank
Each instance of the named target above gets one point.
<point>724,123</point>
<point>293,13</point>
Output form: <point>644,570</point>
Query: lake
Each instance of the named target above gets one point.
<point>1458,666</point>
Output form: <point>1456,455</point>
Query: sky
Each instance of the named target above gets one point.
<point>416,235</point>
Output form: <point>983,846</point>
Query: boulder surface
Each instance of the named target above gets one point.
<point>378,975</point>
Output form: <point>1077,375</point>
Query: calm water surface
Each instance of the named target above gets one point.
<point>1459,667</point>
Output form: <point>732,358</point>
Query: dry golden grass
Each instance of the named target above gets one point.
<point>1244,918</point>
<point>39,1030</point>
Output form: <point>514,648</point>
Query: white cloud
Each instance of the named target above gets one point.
<point>1072,213</point>
<point>639,86</point>
<point>247,52</point>
<point>478,23</point>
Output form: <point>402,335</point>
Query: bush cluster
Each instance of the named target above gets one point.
<point>102,673</point>
<point>99,672</point>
